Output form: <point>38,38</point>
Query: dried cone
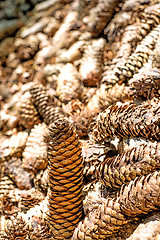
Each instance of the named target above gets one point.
<point>35,153</point>
<point>138,161</point>
<point>65,179</point>
<point>16,229</point>
<point>68,83</point>
<point>139,197</point>
<point>28,114</point>
<point>146,85</point>
<point>102,221</point>
<point>44,105</point>
<point>91,63</point>
<point>127,120</point>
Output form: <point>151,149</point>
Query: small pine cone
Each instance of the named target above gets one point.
<point>127,120</point>
<point>141,195</point>
<point>65,179</point>
<point>91,63</point>
<point>14,146</point>
<point>101,15</point>
<point>102,221</point>
<point>35,152</point>
<point>68,83</point>
<point>27,48</point>
<point>16,229</point>
<point>28,115</point>
<point>146,85</point>
<point>138,161</point>
<point>14,169</point>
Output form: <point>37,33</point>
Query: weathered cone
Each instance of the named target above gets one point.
<point>44,105</point>
<point>127,120</point>
<point>139,197</point>
<point>138,161</point>
<point>65,179</point>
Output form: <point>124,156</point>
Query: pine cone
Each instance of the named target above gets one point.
<point>28,114</point>
<point>127,120</point>
<point>91,63</point>
<point>141,195</point>
<point>138,161</point>
<point>146,85</point>
<point>35,153</point>
<point>65,179</point>
<point>68,83</point>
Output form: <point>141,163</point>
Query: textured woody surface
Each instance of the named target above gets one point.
<point>125,167</point>
<point>14,146</point>
<point>126,120</point>
<point>35,152</point>
<point>93,154</point>
<point>14,169</point>
<point>28,114</point>
<point>140,196</point>
<point>45,106</point>
<point>68,84</point>
<point>149,229</point>
<point>101,15</point>
<point>65,179</point>
<point>91,62</point>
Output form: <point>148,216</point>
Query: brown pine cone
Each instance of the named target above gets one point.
<point>68,83</point>
<point>65,179</point>
<point>138,161</point>
<point>28,114</point>
<point>146,85</point>
<point>35,152</point>
<point>127,120</point>
<point>91,63</point>
<point>141,195</point>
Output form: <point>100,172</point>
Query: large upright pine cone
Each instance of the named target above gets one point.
<point>138,161</point>
<point>65,179</point>
<point>128,120</point>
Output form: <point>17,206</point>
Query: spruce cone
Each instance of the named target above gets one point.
<point>101,15</point>
<point>139,57</point>
<point>68,83</point>
<point>40,98</point>
<point>65,179</point>
<point>146,86</point>
<point>127,120</point>
<point>91,63</point>
<point>141,195</point>
<point>42,101</point>
<point>102,221</point>
<point>35,153</point>
<point>138,161</point>
<point>28,114</point>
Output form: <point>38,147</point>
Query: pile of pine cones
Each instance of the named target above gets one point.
<point>80,119</point>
